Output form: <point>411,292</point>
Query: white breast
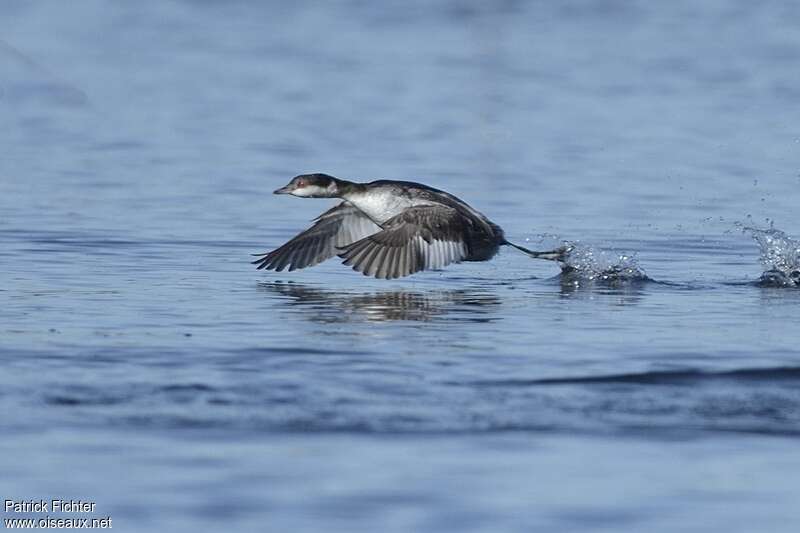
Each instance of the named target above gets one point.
<point>379,205</point>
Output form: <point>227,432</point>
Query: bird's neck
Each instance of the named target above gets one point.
<point>348,188</point>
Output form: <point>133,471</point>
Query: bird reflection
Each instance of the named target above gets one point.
<point>328,306</point>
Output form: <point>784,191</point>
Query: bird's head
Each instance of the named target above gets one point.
<point>311,186</point>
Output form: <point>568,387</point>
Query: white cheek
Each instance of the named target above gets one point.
<point>307,191</point>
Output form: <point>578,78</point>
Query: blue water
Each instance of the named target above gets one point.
<point>148,367</point>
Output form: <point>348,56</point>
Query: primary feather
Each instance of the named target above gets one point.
<point>333,229</point>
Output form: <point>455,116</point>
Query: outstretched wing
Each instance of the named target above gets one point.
<point>333,229</point>
<point>419,238</point>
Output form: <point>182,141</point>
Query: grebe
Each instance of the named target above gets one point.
<point>389,229</point>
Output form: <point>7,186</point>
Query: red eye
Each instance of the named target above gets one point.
<point>301,183</point>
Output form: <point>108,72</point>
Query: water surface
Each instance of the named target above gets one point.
<point>148,367</point>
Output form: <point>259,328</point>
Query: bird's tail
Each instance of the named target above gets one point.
<point>559,254</point>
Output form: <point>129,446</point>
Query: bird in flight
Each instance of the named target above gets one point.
<point>389,229</point>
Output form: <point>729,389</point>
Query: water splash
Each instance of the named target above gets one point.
<point>583,262</point>
<point>780,256</point>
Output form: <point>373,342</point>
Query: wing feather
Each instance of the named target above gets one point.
<point>337,227</point>
<point>420,238</point>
